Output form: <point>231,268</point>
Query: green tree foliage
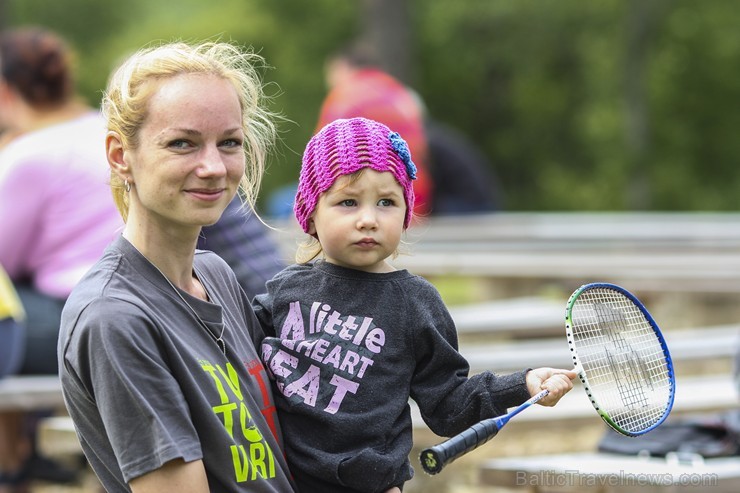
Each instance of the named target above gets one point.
<point>547,88</point>
<point>610,105</point>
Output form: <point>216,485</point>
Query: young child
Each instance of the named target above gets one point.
<point>350,338</point>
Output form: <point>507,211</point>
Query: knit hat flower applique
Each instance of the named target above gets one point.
<point>402,149</point>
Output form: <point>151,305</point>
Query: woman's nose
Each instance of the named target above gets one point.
<point>212,162</point>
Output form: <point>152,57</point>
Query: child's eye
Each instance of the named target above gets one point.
<point>386,202</point>
<point>348,202</point>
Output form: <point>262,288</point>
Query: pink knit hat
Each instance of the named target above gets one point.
<point>344,147</point>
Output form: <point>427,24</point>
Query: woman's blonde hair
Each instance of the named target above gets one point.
<point>126,100</point>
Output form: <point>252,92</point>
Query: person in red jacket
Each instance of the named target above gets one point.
<point>359,88</point>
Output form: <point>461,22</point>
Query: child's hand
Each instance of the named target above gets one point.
<point>557,381</point>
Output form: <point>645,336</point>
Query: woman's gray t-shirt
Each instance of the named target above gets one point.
<point>145,383</point>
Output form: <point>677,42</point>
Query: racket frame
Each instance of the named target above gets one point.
<point>581,372</point>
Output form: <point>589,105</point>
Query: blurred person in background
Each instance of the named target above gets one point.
<point>359,87</point>
<point>11,331</point>
<point>56,213</point>
<point>464,182</point>
<point>6,136</point>
<point>12,341</point>
<point>60,229</point>
<point>245,243</point>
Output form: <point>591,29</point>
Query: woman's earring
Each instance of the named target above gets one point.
<point>127,186</point>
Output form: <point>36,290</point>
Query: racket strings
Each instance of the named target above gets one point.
<point>621,357</point>
<point>628,384</point>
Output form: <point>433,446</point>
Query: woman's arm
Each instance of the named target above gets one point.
<point>175,476</point>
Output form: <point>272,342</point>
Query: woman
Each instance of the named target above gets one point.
<point>52,144</point>
<point>157,354</point>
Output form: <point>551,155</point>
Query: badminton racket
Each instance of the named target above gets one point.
<point>621,359</point>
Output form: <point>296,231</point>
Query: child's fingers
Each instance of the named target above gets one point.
<point>558,385</point>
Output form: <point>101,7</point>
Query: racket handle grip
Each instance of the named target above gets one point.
<point>435,458</point>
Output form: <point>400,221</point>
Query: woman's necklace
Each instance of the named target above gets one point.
<point>220,342</point>
<point>220,339</point>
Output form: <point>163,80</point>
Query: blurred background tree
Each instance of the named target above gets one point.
<point>611,105</point>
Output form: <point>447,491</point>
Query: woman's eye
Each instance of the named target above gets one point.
<point>179,144</point>
<point>232,143</point>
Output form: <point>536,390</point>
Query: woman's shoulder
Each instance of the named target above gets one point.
<point>103,280</point>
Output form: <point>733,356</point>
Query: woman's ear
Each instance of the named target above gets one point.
<point>115,152</point>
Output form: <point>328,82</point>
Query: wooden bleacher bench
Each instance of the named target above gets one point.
<point>57,436</point>
<point>676,230</point>
<point>30,393</point>
<point>651,251</point>
<point>41,393</point>
<point>707,343</point>
<point>669,271</point>
<point>693,252</point>
<point>525,316</point>
<point>660,229</point>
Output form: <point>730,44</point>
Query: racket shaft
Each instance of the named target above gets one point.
<point>435,458</point>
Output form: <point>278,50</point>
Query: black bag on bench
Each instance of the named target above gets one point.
<point>717,436</point>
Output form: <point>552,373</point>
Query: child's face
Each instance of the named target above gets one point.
<point>359,220</point>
